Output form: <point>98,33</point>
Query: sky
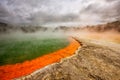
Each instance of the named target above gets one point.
<point>40,12</point>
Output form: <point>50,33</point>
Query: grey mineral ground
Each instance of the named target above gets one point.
<point>95,60</point>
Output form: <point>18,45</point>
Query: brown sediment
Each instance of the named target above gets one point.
<point>8,72</point>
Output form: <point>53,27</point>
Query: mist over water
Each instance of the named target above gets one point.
<point>36,35</point>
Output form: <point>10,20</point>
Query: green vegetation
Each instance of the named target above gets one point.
<point>18,50</point>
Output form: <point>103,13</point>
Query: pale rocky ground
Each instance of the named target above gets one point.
<point>95,60</point>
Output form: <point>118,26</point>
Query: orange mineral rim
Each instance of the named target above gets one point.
<point>8,72</point>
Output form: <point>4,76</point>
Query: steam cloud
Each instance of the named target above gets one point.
<point>52,11</point>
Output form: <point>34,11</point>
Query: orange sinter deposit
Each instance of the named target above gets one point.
<point>8,72</point>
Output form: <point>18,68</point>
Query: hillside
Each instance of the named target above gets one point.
<point>113,26</point>
<point>6,28</point>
